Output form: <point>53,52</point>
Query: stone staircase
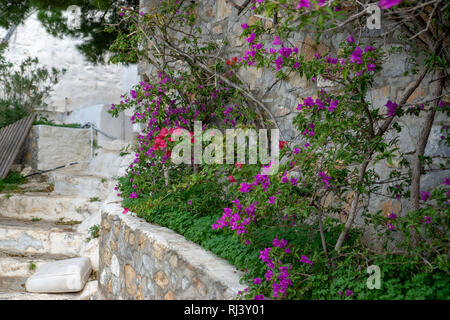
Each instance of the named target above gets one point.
<point>49,220</point>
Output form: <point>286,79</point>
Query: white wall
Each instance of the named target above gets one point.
<point>84,84</point>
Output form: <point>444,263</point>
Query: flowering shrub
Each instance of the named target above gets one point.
<point>300,222</point>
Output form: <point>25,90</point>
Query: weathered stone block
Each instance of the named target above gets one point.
<point>310,48</point>
<point>169,296</point>
<point>130,280</point>
<point>161,279</point>
<point>158,250</point>
<point>115,266</point>
<point>224,9</point>
<point>106,257</point>
<point>50,147</point>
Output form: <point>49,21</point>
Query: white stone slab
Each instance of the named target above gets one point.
<point>60,276</point>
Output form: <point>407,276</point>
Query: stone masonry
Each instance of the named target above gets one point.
<point>139,261</point>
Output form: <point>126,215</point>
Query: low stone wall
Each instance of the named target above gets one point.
<point>66,145</point>
<point>139,260</point>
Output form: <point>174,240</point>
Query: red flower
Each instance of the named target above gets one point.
<point>234,59</point>
<point>231,178</point>
<point>125,210</point>
<point>159,143</point>
<point>238,165</point>
<point>282,144</point>
<point>228,62</point>
<point>164,132</point>
<point>168,153</point>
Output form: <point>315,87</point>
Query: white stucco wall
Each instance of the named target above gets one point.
<point>84,84</point>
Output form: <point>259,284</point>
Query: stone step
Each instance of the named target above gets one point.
<point>81,184</point>
<point>46,206</point>
<point>13,288</point>
<point>16,264</point>
<point>39,237</point>
<point>35,187</point>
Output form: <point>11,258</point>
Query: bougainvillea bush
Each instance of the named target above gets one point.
<point>307,232</point>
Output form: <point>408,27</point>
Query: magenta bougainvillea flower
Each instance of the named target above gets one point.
<point>133,195</point>
<point>251,38</point>
<point>268,276</point>
<point>424,195</point>
<point>277,41</point>
<point>391,107</point>
<point>245,187</point>
<point>427,219</point>
<point>350,39</point>
<point>279,243</point>
<point>392,216</point>
<point>325,179</point>
<point>356,56</point>
<point>333,105</point>
<point>303,4</point>
<point>305,259</point>
<point>386,4</point>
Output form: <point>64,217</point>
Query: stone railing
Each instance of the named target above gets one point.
<point>139,260</point>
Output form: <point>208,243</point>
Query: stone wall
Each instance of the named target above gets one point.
<point>48,147</point>
<point>139,260</point>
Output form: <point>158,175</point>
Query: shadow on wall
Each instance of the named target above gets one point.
<point>119,128</point>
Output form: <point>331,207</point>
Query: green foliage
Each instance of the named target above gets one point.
<point>94,231</point>
<point>32,266</point>
<point>61,222</point>
<point>9,184</point>
<point>23,88</point>
<point>45,121</point>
